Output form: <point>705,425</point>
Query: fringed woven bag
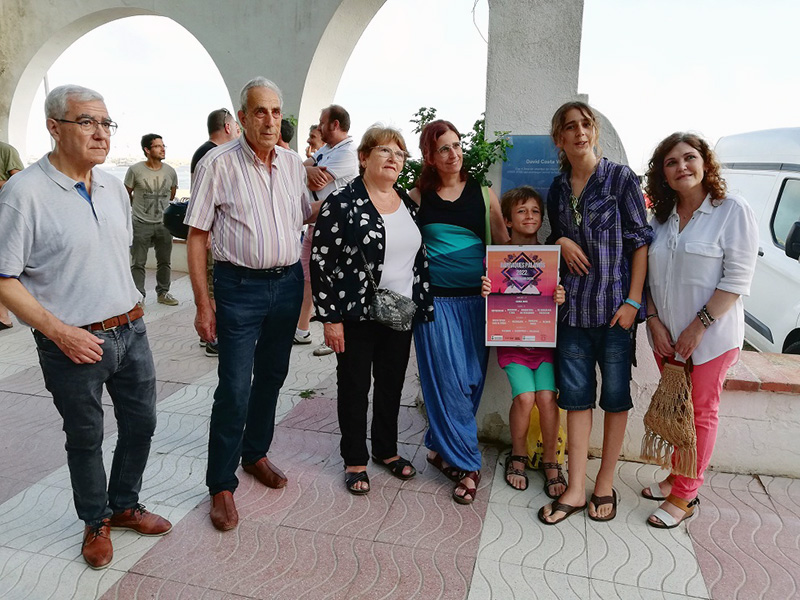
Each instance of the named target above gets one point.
<point>669,423</point>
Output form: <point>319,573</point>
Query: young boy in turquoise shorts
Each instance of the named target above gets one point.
<point>529,370</point>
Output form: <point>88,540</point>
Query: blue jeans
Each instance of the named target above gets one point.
<point>256,317</point>
<point>129,375</point>
<point>579,350</point>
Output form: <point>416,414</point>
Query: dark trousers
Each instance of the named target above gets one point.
<point>370,346</point>
<point>146,236</point>
<point>256,316</point>
<point>127,371</point>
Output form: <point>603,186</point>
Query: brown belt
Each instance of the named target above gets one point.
<point>110,323</point>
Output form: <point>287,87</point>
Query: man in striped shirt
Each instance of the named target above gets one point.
<point>251,196</point>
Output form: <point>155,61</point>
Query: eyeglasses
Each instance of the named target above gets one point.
<point>386,152</point>
<point>445,150</point>
<point>152,146</point>
<point>576,214</point>
<point>91,125</point>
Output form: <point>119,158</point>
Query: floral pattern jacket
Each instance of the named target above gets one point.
<point>341,289</point>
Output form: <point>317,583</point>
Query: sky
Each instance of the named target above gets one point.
<point>716,67</point>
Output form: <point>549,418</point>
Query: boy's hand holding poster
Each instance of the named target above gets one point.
<point>520,310</point>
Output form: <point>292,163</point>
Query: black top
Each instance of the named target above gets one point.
<point>468,211</point>
<point>348,221</point>
<point>454,233</point>
<point>200,153</point>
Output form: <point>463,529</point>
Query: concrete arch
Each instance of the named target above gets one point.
<point>330,58</point>
<point>256,37</point>
<point>44,57</point>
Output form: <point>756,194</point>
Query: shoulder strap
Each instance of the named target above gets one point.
<point>368,270</point>
<point>487,203</point>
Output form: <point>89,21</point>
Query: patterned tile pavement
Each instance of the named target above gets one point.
<point>314,540</point>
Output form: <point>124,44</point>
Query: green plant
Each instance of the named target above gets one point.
<point>479,154</point>
<point>307,394</point>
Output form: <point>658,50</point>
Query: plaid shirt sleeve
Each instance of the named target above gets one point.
<point>635,230</point>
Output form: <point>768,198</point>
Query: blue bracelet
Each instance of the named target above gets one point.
<point>633,303</point>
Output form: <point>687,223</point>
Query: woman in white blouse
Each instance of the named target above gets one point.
<point>700,264</point>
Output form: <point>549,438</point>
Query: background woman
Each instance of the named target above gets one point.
<point>374,216</point>
<point>454,218</point>
<point>597,216</point>
<point>700,263</point>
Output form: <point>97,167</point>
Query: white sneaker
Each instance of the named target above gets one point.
<point>302,339</point>
<point>323,350</point>
<point>168,299</point>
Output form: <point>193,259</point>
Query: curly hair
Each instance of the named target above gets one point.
<point>557,128</point>
<point>429,178</point>
<point>657,188</point>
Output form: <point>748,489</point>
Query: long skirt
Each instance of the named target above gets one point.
<point>452,358</point>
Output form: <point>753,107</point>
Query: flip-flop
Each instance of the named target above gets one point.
<point>558,506</point>
<point>666,520</point>
<point>396,467</point>
<point>655,492</point>
<point>351,479</point>
<point>599,501</point>
<point>452,473</point>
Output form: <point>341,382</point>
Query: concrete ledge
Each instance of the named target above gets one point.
<point>759,430</point>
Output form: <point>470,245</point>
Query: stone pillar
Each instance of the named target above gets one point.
<point>533,59</point>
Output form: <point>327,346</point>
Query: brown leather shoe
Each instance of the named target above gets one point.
<point>141,521</point>
<point>267,473</point>
<point>223,511</point>
<point>97,550</point>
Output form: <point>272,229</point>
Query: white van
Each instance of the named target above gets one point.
<point>764,168</point>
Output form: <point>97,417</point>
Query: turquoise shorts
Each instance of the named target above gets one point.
<point>524,379</point>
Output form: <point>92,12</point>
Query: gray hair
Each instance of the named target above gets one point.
<point>55,105</point>
<point>258,82</point>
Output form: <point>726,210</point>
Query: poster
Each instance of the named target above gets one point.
<point>520,310</point>
<point>533,161</point>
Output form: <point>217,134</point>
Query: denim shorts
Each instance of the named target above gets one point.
<point>579,350</point>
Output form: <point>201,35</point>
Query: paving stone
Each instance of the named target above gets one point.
<point>44,577</point>
<point>514,535</point>
<point>512,581</point>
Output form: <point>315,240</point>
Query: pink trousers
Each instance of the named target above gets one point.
<point>707,380</point>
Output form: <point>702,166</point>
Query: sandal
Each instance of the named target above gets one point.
<point>555,480</point>
<point>556,506</point>
<point>451,472</point>
<point>511,470</point>
<point>654,491</point>
<point>396,467</point>
<point>468,491</point>
<point>599,501</point>
<point>351,479</point>
<point>666,520</point>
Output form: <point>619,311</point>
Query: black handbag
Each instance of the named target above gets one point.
<point>387,306</point>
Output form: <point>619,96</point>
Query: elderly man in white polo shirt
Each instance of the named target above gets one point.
<point>251,195</point>
<point>65,229</point>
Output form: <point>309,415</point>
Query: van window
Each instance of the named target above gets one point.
<point>787,211</point>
